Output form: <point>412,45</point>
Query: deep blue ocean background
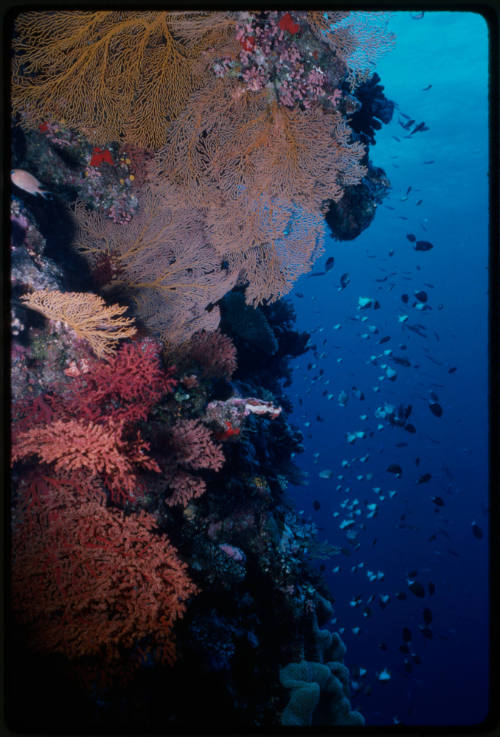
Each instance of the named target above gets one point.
<point>448,50</point>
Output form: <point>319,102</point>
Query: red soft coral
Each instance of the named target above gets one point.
<point>125,387</point>
<point>99,450</point>
<point>89,581</point>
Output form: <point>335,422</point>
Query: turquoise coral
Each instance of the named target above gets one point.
<point>319,695</point>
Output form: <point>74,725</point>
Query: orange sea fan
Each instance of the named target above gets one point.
<point>113,74</point>
<point>103,326</point>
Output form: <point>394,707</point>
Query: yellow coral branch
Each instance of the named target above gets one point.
<point>87,314</point>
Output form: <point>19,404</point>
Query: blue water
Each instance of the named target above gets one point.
<point>450,687</point>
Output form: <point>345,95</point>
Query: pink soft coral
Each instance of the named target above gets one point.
<point>192,449</point>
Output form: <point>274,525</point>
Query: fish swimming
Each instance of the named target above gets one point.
<point>395,469</point>
<point>27,182</point>
<point>416,588</point>
<point>425,478</point>
<point>423,246</point>
<point>436,409</point>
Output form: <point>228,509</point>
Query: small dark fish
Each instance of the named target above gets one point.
<point>344,280</point>
<point>404,298</point>
<point>411,237</point>
<point>406,124</point>
<point>384,278</point>
<point>395,469</point>
<point>417,15</point>
<point>434,360</point>
<point>431,588</point>
<point>401,445</point>
<point>376,305</point>
<point>417,461</point>
<point>374,542</point>
<point>431,161</point>
<point>385,339</point>
<point>477,531</point>
<point>316,505</point>
<point>426,88</point>
<point>391,252</point>
<point>299,294</point>
<point>426,632</point>
<point>319,418</point>
<point>397,139</point>
<point>416,659</point>
<point>423,246</point>
<point>453,552</point>
<point>404,648</point>
<point>402,217</point>
<point>408,190</point>
<point>410,428</point>
<point>437,500</point>
<point>406,634</point>
<point>418,330</point>
<point>401,596</point>
<point>383,646</point>
<point>412,574</point>
<point>416,588</point>
<point>451,370</point>
<point>424,478</point>
<point>421,127</point>
<point>421,296</point>
<point>401,361</point>
<point>436,409</point>
<point>317,273</point>
<point>419,202</point>
<point>329,263</point>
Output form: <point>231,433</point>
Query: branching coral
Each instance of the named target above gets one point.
<point>87,580</point>
<point>192,449</point>
<point>85,313</point>
<point>99,450</point>
<point>163,260</point>
<point>215,352</point>
<point>112,74</point>
<point>124,388</point>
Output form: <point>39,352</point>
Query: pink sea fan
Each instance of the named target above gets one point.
<point>193,446</point>
<point>192,449</point>
<point>184,487</point>
<point>215,352</point>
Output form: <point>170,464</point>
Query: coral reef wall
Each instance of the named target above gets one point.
<point>171,175</point>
